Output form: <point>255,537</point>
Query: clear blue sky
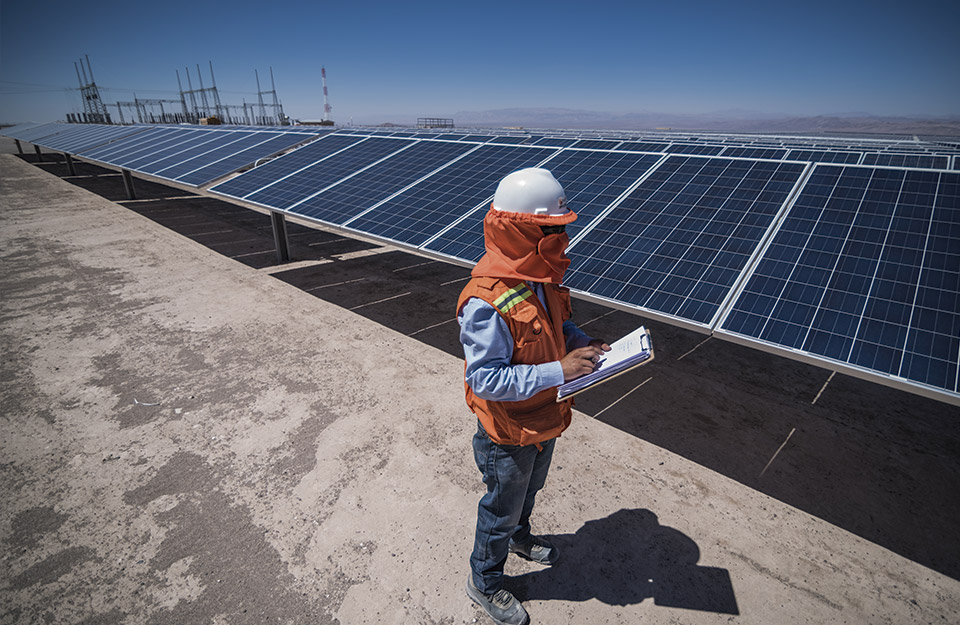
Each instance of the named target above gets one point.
<point>394,61</point>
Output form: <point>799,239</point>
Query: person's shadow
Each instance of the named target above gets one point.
<point>628,557</point>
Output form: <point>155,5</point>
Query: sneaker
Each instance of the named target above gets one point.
<point>537,550</point>
<point>501,606</point>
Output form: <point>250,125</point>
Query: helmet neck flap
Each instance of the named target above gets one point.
<point>517,248</point>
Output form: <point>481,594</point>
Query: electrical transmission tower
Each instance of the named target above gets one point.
<point>204,102</point>
<point>195,106</point>
<point>94,109</point>
<point>278,116</point>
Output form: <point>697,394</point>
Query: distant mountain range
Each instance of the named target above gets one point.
<point>723,121</point>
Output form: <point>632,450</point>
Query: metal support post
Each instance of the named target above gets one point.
<point>128,184</point>
<point>280,236</point>
<point>69,160</point>
<point>19,147</point>
<point>39,155</point>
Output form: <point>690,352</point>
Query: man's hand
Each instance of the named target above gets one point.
<point>583,360</point>
<point>601,344</point>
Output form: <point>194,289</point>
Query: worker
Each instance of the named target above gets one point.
<point>519,345</point>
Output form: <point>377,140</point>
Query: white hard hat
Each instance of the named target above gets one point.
<point>532,190</point>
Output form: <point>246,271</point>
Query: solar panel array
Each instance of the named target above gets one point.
<point>843,253</point>
<point>194,155</point>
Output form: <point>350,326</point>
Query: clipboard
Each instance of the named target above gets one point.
<point>628,353</point>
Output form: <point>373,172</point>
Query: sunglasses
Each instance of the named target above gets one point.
<point>548,230</point>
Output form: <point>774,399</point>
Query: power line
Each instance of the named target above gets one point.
<point>33,84</point>
<point>25,91</point>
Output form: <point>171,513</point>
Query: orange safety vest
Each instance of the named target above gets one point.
<point>537,338</point>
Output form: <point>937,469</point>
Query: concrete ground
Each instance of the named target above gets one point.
<point>192,433</point>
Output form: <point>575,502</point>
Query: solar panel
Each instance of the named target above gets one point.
<point>557,142</point>
<point>104,136</point>
<point>865,271</point>
<point>353,195</point>
<point>294,188</point>
<point>754,152</point>
<point>424,209</point>
<point>38,132</point>
<point>198,156</point>
<point>591,180</point>
<point>906,160</point>
<point>596,144</point>
<point>64,140</point>
<point>300,129</point>
<point>210,167</point>
<point>20,131</point>
<point>127,148</point>
<point>677,243</point>
<point>265,175</point>
<point>825,156</point>
<point>643,146</point>
<point>682,148</point>
<point>172,147</point>
<point>187,150</point>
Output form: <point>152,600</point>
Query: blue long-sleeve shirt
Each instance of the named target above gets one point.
<point>488,349</point>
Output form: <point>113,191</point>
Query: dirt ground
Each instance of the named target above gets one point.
<point>192,433</point>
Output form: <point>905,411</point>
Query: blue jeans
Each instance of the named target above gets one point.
<point>513,475</point>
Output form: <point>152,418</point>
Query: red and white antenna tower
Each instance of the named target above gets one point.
<point>326,105</point>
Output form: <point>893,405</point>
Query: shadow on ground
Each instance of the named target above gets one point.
<point>626,558</point>
<point>866,458</point>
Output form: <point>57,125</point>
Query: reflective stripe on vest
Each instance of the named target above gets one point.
<point>512,297</point>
